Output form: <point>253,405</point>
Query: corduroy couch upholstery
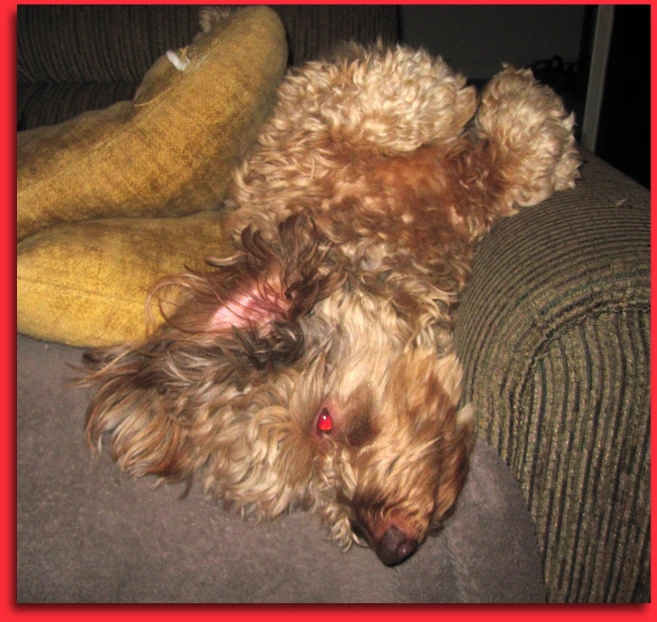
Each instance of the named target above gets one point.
<point>554,336</point>
<point>553,332</point>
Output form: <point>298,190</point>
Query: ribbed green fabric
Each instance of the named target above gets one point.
<point>584,458</point>
<point>554,335</point>
<point>314,30</point>
<point>96,43</point>
<point>84,50</point>
<point>52,103</point>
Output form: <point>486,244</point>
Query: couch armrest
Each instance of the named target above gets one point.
<point>554,336</point>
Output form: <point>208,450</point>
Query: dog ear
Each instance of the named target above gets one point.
<point>253,301</point>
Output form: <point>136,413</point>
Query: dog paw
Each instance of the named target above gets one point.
<point>531,134</point>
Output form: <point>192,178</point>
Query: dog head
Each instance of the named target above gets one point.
<point>290,383</point>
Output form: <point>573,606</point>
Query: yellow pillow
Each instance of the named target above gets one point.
<point>169,152</point>
<point>85,284</point>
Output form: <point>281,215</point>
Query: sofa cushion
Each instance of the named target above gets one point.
<point>86,284</point>
<point>171,149</point>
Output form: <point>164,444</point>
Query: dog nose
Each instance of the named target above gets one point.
<point>395,546</point>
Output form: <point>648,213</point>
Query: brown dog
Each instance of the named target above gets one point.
<point>315,369</point>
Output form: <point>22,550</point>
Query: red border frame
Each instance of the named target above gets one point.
<point>8,607</point>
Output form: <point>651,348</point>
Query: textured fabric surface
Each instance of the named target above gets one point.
<point>85,284</point>
<point>88,534</point>
<point>51,103</point>
<point>92,43</point>
<point>554,335</point>
<point>168,152</point>
<point>71,59</point>
<point>314,31</point>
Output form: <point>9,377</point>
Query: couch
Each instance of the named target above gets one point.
<point>553,332</point>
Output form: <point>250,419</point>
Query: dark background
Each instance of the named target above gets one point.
<point>556,42</point>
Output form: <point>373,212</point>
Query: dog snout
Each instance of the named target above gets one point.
<point>395,546</point>
<point>392,548</point>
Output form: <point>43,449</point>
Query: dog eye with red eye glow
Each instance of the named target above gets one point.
<point>324,421</point>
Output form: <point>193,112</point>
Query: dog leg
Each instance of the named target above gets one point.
<point>529,135</point>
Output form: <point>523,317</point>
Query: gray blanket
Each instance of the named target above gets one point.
<point>89,534</point>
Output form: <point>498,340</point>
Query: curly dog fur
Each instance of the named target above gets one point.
<point>315,369</point>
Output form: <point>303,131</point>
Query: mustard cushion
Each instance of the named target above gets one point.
<point>170,150</point>
<point>85,284</point>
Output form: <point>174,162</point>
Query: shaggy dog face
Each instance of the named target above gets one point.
<point>315,368</point>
